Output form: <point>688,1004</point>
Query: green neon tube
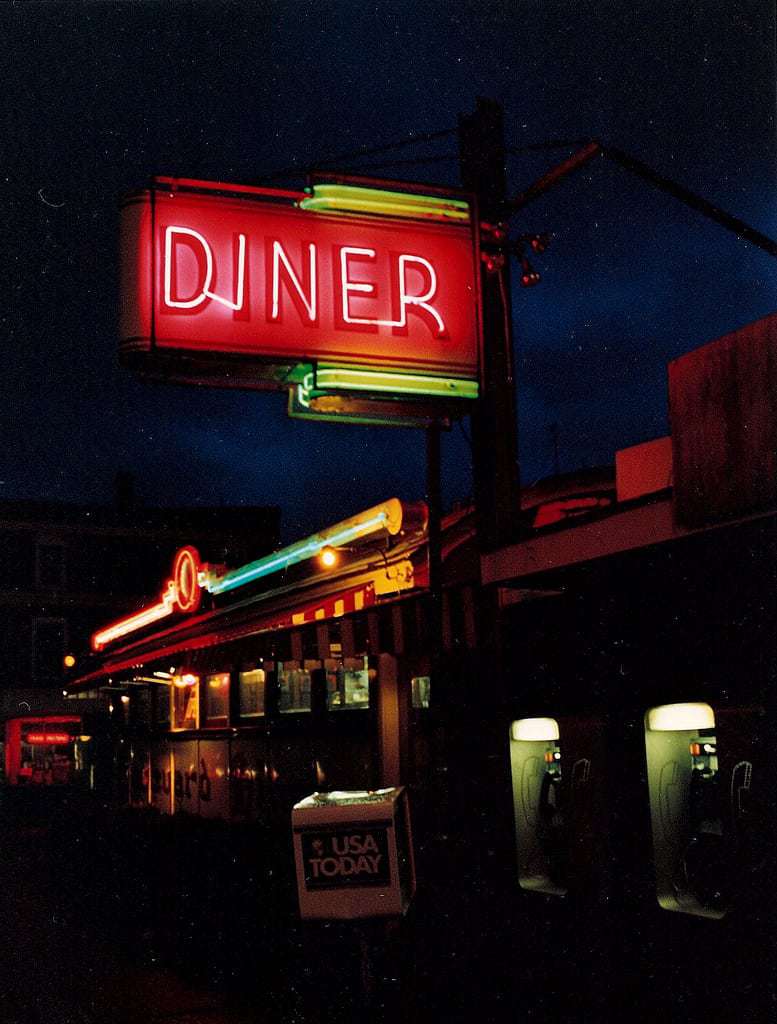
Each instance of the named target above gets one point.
<point>387,516</point>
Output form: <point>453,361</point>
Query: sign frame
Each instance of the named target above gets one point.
<point>225,365</point>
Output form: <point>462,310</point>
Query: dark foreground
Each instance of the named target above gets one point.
<point>128,917</point>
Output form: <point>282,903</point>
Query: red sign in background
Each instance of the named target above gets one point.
<point>207,273</point>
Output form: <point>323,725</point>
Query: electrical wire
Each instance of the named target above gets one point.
<point>593,148</point>
<point>536,147</point>
<point>409,140</point>
<point>362,151</point>
<point>395,163</point>
<point>507,326</point>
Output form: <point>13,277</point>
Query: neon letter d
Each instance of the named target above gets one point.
<point>204,292</point>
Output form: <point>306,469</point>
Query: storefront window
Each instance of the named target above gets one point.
<point>420,687</point>
<point>217,699</point>
<point>347,685</point>
<point>293,688</point>
<point>185,701</point>
<point>252,684</point>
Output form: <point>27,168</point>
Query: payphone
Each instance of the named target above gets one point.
<point>700,804</point>
<point>552,804</point>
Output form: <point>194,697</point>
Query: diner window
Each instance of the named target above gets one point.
<point>347,685</point>
<point>420,687</point>
<point>217,699</point>
<point>185,701</point>
<point>252,686</point>
<point>293,688</point>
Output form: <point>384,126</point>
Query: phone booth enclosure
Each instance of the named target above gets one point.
<point>353,854</point>
<point>557,768</point>
<point>705,774</point>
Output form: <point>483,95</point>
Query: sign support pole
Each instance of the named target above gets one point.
<point>494,427</point>
<point>434,504</point>
<point>494,451</point>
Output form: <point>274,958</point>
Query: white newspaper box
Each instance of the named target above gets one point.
<point>354,854</point>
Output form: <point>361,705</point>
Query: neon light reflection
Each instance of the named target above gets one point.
<point>183,591</point>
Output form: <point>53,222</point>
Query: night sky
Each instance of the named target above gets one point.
<point>99,96</point>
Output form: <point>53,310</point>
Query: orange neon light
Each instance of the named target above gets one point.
<point>180,593</point>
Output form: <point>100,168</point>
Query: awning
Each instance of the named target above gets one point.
<point>330,607</point>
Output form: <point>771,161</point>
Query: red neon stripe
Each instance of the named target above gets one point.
<point>223,186</point>
<point>266,625</point>
<point>153,613</point>
<point>181,592</point>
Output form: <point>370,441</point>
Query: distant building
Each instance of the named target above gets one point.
<point>68,569</point>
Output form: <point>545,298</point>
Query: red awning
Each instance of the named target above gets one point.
<point>330,607</point>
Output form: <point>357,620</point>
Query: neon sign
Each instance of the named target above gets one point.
<point>180,593</point>
<point>382,282</point>
<point>47,738</point>
<point>387,516</point>
<point>280,270</point>
<point>183,591</point>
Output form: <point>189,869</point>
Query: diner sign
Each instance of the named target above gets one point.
<point>211,271</point>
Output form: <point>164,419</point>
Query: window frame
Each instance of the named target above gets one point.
<point>346,665</point>
<point>250,717</point>
<point>173,727</point>
<point>303,667</point>
<point>208,721</point>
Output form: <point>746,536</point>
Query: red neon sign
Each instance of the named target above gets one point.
<point>181,592</point>
<point>185,582</point>
<point>205,273</point>
<point>47,738</point>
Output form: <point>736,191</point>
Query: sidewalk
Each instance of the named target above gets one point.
<point>59,967</point>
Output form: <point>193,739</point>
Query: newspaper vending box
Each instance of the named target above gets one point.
<point>353,853</point>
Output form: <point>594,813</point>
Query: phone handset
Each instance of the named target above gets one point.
<point>532,778</point>
<point>704,862</point>
<point>531,775</point>
<point>550,802</point>
<point>551,818</point>
<point>741,781</point>
<point>668,804</point>
<point>750,843</point>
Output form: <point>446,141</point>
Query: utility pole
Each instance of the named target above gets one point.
<point>494,427</point>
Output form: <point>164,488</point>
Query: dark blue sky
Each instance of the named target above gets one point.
<point>98,97</point>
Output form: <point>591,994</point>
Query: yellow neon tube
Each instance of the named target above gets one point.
<point>343,378</point>
<point>354,199</point>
